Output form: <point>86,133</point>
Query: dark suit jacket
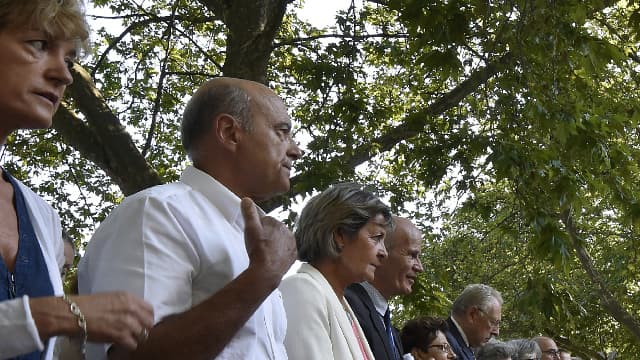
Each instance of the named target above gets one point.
<point>371,323</point>
<point>463,352</point>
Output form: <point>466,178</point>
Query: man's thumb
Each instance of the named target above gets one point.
<point>250,215</point>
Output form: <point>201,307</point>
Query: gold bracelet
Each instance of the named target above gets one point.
<point>82,322</point>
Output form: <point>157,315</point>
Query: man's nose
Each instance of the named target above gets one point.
<point>294,150</point>
<point>417,267</point>
<point>382,251</point>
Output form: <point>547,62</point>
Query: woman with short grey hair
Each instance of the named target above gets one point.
<point>525,349</point>
<point>340,237</point>
<point>495,350</point>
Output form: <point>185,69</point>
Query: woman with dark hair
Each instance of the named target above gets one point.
<point>39,40</point>
<point>340,235</point>
<point>424,339</point>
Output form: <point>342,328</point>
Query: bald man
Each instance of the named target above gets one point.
<point>548,347</point>
<point>395,276</point>
<point>199,250</point>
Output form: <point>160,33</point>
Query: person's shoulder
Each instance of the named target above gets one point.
<point>170,193</point>
<point>300,289</point>
<point>356,293</point>
<point>160,192</point>
<point>33,198</point>
<point>300,284</point>
<point>453,336</point>
<point>355,290</point>
<point>298,278</point>
<point>46,217</point>
<point>358,299</point>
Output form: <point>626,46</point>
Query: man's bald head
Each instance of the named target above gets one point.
<point>403,228</point>
<point>217,96</point>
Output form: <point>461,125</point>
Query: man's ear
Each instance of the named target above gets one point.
<point>227,131</point>
<point>472,313</point>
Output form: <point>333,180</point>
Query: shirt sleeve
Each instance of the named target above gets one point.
<point>143,249</point>
<point>18,332</point>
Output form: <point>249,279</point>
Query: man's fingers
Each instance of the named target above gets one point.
<point>145,312</point>
<point>253,226</point>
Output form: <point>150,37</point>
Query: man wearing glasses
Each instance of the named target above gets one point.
<point>565,354</point>
<point>475,319</point>
<point>549,348</point>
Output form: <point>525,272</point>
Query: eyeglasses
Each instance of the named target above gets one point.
<point>552,352</point>
<point>443,347</point>
<point>494,323</point>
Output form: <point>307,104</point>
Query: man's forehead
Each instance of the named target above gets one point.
<point>547,344</point>
<point>403,245</point>
<point>270,103</point>
<point>494,307</point>
<point>413,235</point>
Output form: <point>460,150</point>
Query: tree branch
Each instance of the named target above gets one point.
<point>102,138</point>
<point>412,125</point>
<point>163,73</point>
<point>604,293</point>
<point>136,25</point>
<point>297,40</point>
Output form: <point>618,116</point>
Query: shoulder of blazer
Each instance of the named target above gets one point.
<point>453,335</point>
<point>358,297</point>
<point>457,342</point>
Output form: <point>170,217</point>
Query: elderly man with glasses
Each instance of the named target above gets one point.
<point>475,319</point>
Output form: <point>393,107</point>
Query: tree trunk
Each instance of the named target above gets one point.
<point>253,25</point>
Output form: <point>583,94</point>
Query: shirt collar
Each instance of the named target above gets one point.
<point>226,201</point>
<point>464,336</point>
<point>379,302</point>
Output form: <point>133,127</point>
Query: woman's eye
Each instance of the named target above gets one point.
<point>38,44</point>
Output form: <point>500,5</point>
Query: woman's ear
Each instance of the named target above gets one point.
<point>339,239</point>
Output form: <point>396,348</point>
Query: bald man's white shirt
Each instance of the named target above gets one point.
<point>175,245</point>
